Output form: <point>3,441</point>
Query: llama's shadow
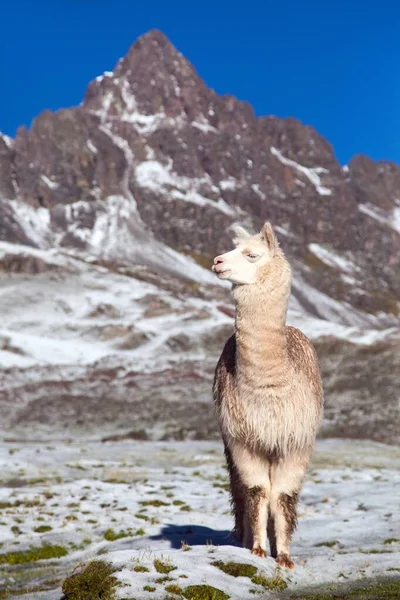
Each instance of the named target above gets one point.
<point>195,535</point>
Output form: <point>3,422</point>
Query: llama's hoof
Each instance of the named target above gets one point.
<point>284,560</point>
<point>259,552</point>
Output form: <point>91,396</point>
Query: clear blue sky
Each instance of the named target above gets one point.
<point>334,64</point>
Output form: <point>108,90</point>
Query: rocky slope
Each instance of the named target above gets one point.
<point>109,213</point>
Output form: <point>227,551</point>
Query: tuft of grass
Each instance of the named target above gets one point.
<point>223,486</point>
<point>32,555</point>
<point>236,569</point>
<point>173,588</point>
<point>185,547</point>
<point>141,569</point>
<point>204,592</point>
<point>157,503</point>
<point>16,530</point>
<point>178,503</point>
<point>327,544</point>
<point>140,531</point>
<point>270,583</point>
<point>42,528</point>
<point>375,551</point>
<point>391,541</point>
<point>186,508</point>
<point>110,535</point>
<point>149,588</point>
<point>140,516</point>
<point>163,567</point>
<point>93,582</point>
<point>163,579</point>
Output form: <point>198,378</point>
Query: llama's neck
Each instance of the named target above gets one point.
<point>261,355</point>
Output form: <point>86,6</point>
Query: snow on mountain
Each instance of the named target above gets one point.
<point>312,174</point>
<point>139,186</point>
<point>391,219</point>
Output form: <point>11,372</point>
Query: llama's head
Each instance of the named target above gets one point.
<point>249,262</point>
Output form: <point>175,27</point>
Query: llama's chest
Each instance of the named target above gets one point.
<point>274,417</point>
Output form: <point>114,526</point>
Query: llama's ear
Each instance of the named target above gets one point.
<point>268,236</point>
<point>239,233</point>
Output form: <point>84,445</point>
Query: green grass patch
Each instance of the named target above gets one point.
<point>143,517</point>
<point>391,541</point>
<point>163,566</point>
<point>17,503</point>
<point>173,588</point>
<point>236,569</point>
<point>270,583</point>
<point>156,503</point>
<point>110,535</point>
<point>163,579</point>
<point>141,569</point>
<point>224,486</point>
<point>149,588</point>
<point>204,592</point>
<point>376,551</point>
<point>32,555</point>
<point>327,544</point>
<point>42,529</point>
<point>92,583</point>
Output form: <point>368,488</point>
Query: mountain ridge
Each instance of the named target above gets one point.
<point>130,196</point>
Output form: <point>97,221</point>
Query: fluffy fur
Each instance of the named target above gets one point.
<point>268,395</point>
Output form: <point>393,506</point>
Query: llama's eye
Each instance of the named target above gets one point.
<point>253,257</point>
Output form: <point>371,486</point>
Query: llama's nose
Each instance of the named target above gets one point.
<point>218,260</point>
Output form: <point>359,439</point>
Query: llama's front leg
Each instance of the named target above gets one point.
<point>287,479</point>
<point>256,512</point>
<point>253,471</point>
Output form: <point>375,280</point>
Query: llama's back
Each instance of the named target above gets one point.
<point>304,359</point>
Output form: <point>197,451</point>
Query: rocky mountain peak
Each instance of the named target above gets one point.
<point>188,162</point>
<point>153,78</point>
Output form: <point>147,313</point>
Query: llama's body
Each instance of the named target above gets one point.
<point>268,395</point>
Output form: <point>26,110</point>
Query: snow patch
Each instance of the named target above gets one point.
<point>332,259</point>
<point>105,74</point>
<point>311,174</point>
<point>161,179</point>
<point>33,221</point>
<point>53,185</point>
<point>228,184</point>
<point>204,126</point>
<point>256,189</point>
<point>91,146</point>
<point>7,139</point>
<point>390,219</point>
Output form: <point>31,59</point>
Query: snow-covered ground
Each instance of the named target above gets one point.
<point>130,503</point>
<point>62,318</point>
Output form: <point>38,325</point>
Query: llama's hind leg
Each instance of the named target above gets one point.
<point>287,479</point>
<point>237,492</point>
<point>253,471</point>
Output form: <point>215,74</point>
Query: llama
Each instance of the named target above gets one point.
<point>268,396</point>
